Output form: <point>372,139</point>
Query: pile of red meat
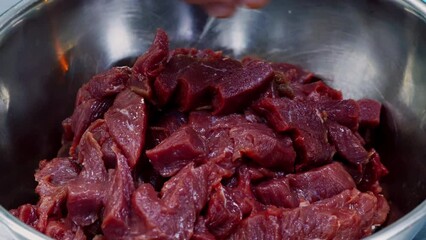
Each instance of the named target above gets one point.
<point>191,144</point>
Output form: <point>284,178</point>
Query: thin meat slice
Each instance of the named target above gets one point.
<point>230,137</point>
<point>127,123</point>
<point>152,62</point>
<point>321,183</point>
<point>276,192</point>
<point>300,223</point>
<point>347,144</point>
<point>115,223</point>
<point>373,208</point>
<point>86,193</point>
<point>239,89</point>
<point>369,112</point>
<point>304,121</point>
<point>53,177</point>
<point>372,172</point>
<point>201,232</point>
<point>348,215</point>
<point>176,151</point>
<point>223,213</point>
<point>84,114</point>
<point>173,214</point>
<point>104,85</point>
<point>101,134</point>
<point>198,77</point>
<point>27,213</point>
<point>291,73</point>
<point>259,143</point>
<point>344,112</point>
<point>162,127</point>
<point>179,62</point>
<point>60,230</point>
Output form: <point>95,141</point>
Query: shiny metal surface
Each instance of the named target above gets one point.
<point>366,48</point>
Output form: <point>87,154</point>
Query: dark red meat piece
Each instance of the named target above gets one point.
<point>86,193</point>
<point>162,127</point>
<point>200,230</point>
<point>232,84</point>
<point>176,151</point>
<point>181,199</point>
<point>27,213</point>
<point>369,115</point>
<point>372,172</point>
<point>240,88</point>
<point>167,81</point>
<point>347,144</point>
<point>259,143</point>
<point>291,73</point>
<point>276,192</point>
<point>101,134</point>
<point>104,85</point>
<point>216,169</point>
<point>321,183</point>
<point>304,121</point>
<point>84,114</point>
<point>152,62</point>
<point>345,112</point>
<point>317,91</point>
<point>127,123</point>
<point>60,230</point>
<point>223,213</point>
<point>116,214</point>
<point>347,215</point>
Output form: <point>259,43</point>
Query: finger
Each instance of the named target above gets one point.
<point>205,2</point>
<point>255,3</point>
<point>220,10</point>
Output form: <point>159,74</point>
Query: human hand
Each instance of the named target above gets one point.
<point>225,8</point>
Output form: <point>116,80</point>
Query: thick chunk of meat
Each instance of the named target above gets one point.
<point>175,152</point>
<point>347,144</point>
<point>162,127</point>
<point>276,192</point>
<point>231,84</point>
<point>223,213</point>
<point>84,114</point>
<point>241,87</point>
<point>115,223</point>
<point>127,123</point>
<point>27,213</point>
<point>348,215</point>
<point>104,85</point>
<point>173,215</point>
<point>304,121</point>
<point>152,62</point>
<point>60,230</point>
<point>291,73</point>
<point>259,143</point>
<point>344,112</point>
<point>369,112</point>
<point>86,193</point>
<point>321,183</point>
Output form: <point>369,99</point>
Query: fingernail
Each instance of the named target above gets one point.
<point>255,3</point>
<point>219,10</point>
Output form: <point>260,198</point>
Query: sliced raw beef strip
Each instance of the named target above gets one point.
<point>127,123</point>
<point>347,144</point>
<point>304,121</point>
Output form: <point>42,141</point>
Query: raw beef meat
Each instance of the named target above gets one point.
<point>193,144</point>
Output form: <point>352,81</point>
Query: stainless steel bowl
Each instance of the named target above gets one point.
<point>366,48</point>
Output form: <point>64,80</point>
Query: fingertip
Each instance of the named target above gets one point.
<point>220,10</point>
<point>255,3</point>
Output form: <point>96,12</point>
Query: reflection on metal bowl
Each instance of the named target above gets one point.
<point>372,49</point>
